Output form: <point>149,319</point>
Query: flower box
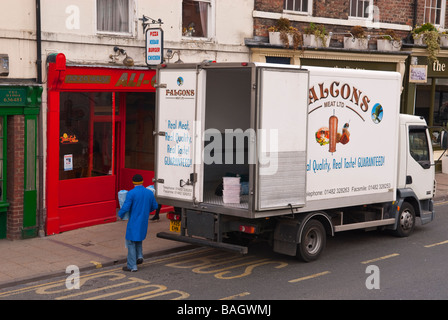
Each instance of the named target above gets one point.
<point>444,40</point>
<point>356,43</point>
<point>310,40</point>
<point>388,45</point>
<point>274,39</point>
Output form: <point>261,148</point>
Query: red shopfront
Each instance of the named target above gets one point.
<point>99,133</point>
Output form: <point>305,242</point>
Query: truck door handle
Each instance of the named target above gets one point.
<point>189,182</point>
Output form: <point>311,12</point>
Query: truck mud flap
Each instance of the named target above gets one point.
<point>203,242</point>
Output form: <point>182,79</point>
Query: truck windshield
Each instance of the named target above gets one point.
<point>418,146</point>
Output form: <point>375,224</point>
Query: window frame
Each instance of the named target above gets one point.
<point>132,18</point>
<point>418,141</point>
<point>309,12</point>
<point>442,12</point>
<point>369,16</point>
<point>211,21</point>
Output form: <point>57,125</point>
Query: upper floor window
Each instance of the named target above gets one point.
<point>299,6</point>
<point>435,12</point>
<point>113,16</point>
<point>359,8</point>
<point>197,18</point>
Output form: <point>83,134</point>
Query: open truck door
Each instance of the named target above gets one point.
<point>282,138</point>
<point>178,174</point>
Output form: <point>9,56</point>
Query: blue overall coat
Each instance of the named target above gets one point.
<point>139,202</point>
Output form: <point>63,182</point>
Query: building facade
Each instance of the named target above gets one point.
<point>77,96</point>
<point>80,70</point>
<point>422,97</point>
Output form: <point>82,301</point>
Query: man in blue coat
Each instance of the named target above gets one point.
<point>139,202</point>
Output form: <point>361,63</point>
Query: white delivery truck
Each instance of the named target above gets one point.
<point>288,154</point>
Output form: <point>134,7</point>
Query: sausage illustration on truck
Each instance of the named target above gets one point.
<point>305,146</point>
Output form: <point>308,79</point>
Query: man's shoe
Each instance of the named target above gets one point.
<point>154,219</point>
<point>129,270</point>
<point>140,261</point>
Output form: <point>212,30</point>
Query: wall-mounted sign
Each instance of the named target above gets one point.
<point>418,73</point>
<point>13,97</point>
<point>154,46</point>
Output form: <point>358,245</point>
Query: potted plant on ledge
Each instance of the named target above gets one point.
<point>444,38</point>
<point>358,40</point>
<point>284,34</point>
<point>427,34</point>
<point>316,36</point>
<point>389,41</point>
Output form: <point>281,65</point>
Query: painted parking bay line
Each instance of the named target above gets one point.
<point>309,277</point>
<point>436,244</point>
<point>381,258</point>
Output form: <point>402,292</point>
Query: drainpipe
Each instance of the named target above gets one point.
<point>40,158</point>
<point>414,21</point>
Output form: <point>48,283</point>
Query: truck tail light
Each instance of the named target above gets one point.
<point>173,216</point>
<point>247,229</point>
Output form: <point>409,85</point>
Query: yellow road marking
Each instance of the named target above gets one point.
<point>33,287</point>
<point>310,277</point>
<point>381,258</point>
<point>436,244</point>
<point>97,265</point>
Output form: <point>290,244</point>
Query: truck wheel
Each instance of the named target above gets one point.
<point>312,241</point>
<point>406,220</point>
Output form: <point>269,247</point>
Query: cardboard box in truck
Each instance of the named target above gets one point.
<point>315,151</point>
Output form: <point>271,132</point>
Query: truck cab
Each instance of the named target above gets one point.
<point>416,174</point>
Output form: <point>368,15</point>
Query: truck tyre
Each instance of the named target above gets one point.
<point>312,241</point>
<point>406,220</point>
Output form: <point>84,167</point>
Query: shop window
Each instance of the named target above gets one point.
<point>424,93</point>
<point>299,6</point>
<point>85,134</point>
<point>435,12</point>
<point>359,8</point>
<point>113,16</point>
<point>140,124</point>
<point>2,158</point>
<point>196,18</point>
<point>280,60</point>
<point>30,164</point>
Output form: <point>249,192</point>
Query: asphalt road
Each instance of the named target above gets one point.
<point>355,265</point>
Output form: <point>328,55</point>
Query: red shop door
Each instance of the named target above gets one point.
<point>87,185</point>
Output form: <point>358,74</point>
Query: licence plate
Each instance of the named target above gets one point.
<point>175,225</point>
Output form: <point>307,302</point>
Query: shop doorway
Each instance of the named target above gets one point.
<point>135,142</point>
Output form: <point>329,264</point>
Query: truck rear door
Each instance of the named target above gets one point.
<point>281,138</point>
<point>178,175</point>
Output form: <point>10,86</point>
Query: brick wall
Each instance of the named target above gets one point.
<point>15,175</point>
<point>390,11</point>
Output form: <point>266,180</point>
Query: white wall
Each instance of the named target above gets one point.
<point>70,27</point>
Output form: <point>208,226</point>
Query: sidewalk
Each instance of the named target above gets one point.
<point>87,248</point>
<point>94,247</point>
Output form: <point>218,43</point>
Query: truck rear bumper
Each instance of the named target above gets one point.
<point>203,242</point>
